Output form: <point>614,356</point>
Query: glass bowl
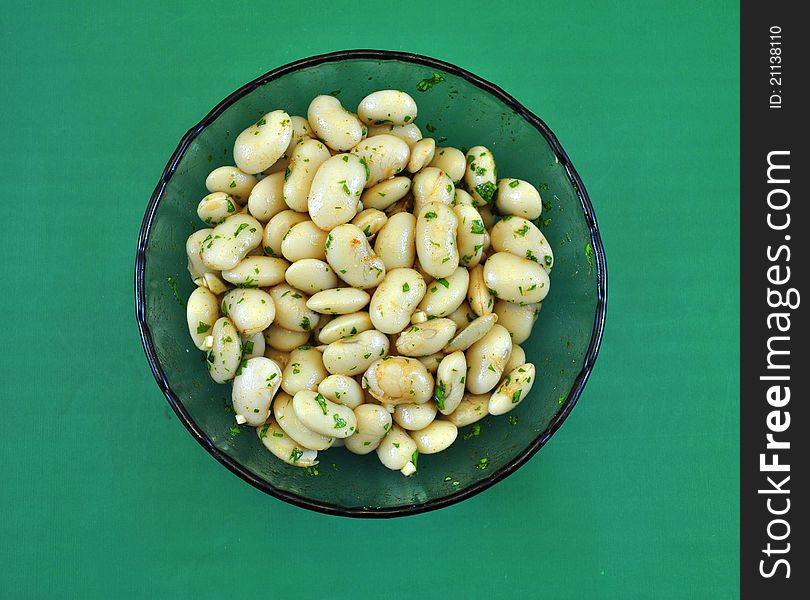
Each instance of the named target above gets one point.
<point>458,109</point>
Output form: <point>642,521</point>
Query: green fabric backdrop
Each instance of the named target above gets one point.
<point>103,491</point>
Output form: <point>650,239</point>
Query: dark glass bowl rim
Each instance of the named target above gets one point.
<point>435,503</point>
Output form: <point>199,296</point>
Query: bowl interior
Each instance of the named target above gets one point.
<point>457,113</point>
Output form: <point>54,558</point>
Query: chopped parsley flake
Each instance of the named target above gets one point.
<point>340,422</point>
<point>429,216</point>
<point>514,183</point>
<point>203,327</point>
<point>428,83</point>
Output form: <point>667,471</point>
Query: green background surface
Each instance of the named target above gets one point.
<point>104,492</point>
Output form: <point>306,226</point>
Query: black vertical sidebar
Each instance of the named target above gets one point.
<point>774,171</point>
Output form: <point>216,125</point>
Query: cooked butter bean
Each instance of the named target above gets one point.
<point>277,356</point>
<point>451,161</point>
<point>303,240</point>
<point>521,237</point>
<point>307,156</point>
<point>226,352</point>
<point>253,346</point>
<point>385,193</point>
<point>284,447</point>
<point>336,126</point>
<point>473,407</point>
<point>370,221</point>
<point>515,279</point>
<point>278,227</point>
<point>350,255</point>
<point>396,450</point>
<point>383,155</point>
<point>202,311</point>
<point>354,354</point>
<point>432,185</point>
<point>291,309</point>
<point>263,143</point>
<point>373,422</point>
<point>450,382</point>
<point>250,310</point>
<point>391,107</point>
<point>487,358</point>
<point>427,338</point>
<point>517,358</point>
<point>414,416</point>
<point>311,275</point>
<point>266,199</point>
<point>471,235</point>
<point>215,208</point>
<point>253,390</point>
<point>421,154</point>
<point>462,198</point>
<point>436,227</point>
<point>409,133</point>
<point>471,333</point>
<point>342,389</point>
<point>445,295</point>
<point>291,425</point>
<point>345,326</point>
<point>514,388</point>
<point>338,301</point>
<point>396,241</point>
<point>397,380</point>
<point>395,300</point>
<point>284,340</point>
<point>478,295</point>
<point>335,191</point>
<point>232,181</point>
<point>196,267</point>
<point>404,205</point>
<point>480,175</point>
<point>304,371</point>
<point>462,316</point>
<point>257,271</point>
<point>519,198</point>
<point>324,416</point>
<point>431,361</point>
<point>437,436</point>
<point>518,320</point>
<point>280,166</point>
<point>230,241</point>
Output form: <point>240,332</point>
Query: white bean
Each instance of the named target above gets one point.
<point>202,311</point>
<point>391,107</point>
<point>253,389</point>
<point>396,450</point>
<point>253,346</point>
<point>284,340</point>
<point>462,316</point>
<point>307,156</point>
<point>471,234</point>
<point>521,237</point>
<point>513,389</point>
<point>354,354</point>
<point>304,371</point>
<point>232,181</point>
<point>518,320</point>
<point>445,295</point>
<point>230,241</point>
<point>279,225</point>
<point>450,382</point>
<point>421,154</point>
<point>277,356</point>
<point>257,271</point>
<point>409,132</point>
<point>473,332</point>
<point>338,301</point>
<point>517,358</point>
<point>478,295</point>
<point>515,279</point>
<point>396,241</point>
<point>266,199</point>
<point>324,416</point>
<point>451,161</point>
<point>436,227</point>
<point>486,360</point>
<point>519,198</point>
<point>345,326</point>
<point>226,352</point>
<point>437,436</point>
<point>303,240</point>
<point>250,310</point>
<point>414,416</point>
<point>215,208</point>
<point>383,155</point>
<point>373,423</point>
<point>462,198</point>
<point>385,193</point>
<point>426,338</point>
<point>342,389</point>
<point>398,379</point>
<point>472,408</point>
<point>311,275</point>
<point>337,127</point>
<point>350,255</point>
<point>291,425</point>
<point>431,361</point>
<point>335,192</point>
<point>481,175</point>
<point>284,447</point>
<point>291,309</point>
<point>370,221</point>
<point>432,185</point>
<point>263,143</point>
<point>395,299</point>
